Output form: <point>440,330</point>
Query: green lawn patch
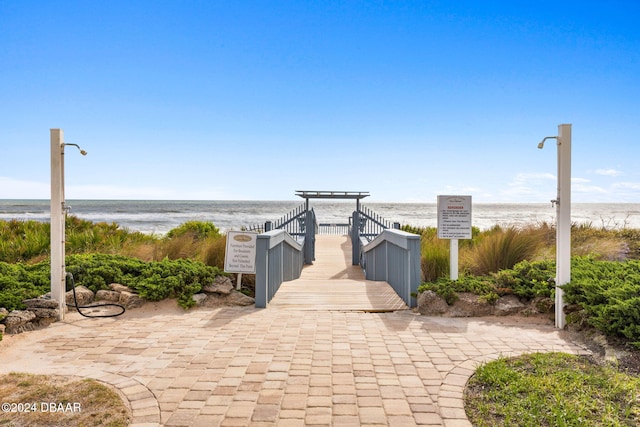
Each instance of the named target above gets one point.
<point>551,389</point>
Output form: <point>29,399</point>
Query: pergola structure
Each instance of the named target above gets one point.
<point>353,195</point>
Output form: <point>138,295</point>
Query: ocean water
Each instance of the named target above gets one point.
<point>158,217</point>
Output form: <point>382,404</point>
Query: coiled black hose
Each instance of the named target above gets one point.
<point>78,307</point>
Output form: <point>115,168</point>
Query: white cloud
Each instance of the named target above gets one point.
<point>22,189</point>
<point>11,188</point>
<point>608,172</point>
<point>634,186</point>
<point>579,181</point>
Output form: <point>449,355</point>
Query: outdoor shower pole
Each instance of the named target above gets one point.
<point>563,231</point>
<point>58,280</point>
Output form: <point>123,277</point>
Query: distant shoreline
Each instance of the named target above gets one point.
<point>160,216</point>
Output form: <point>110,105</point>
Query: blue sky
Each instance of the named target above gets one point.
<point>252,100</point>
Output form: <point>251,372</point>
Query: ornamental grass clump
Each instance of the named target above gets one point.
<point>503,248</point>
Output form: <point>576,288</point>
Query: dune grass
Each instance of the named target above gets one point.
<point>498,248</point>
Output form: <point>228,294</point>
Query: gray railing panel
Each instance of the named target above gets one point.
<point>394,257</point>
<point>278,258</point>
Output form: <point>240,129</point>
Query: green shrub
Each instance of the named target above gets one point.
<point>483,286</point>
<point>609,292</point>
<point>199,230</point>
<point>22,281</point>
<point>527,279</point>
<point>154,281</point>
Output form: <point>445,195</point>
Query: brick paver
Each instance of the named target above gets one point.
<point>252,367</point>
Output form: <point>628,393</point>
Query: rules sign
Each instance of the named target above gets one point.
<point>454,217</point>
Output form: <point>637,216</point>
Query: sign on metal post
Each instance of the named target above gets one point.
<point>240,256</point>
<point>454,222</point>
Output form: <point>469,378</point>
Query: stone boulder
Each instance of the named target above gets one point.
<point>469,305</point>
<point>109,296</point>
<point>200,299</point>
<point>117,287</point>
<point>84,296</point>
<point>130,300</point>
<point>543,305</point>
<point>46,310</point>
<point>508,305</point>
<point>221,285</point>
<point>431,304</point>
<point>234,298</point>
<point>238,298</point>
<point>19,321</point>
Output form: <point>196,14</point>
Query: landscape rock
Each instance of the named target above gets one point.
<point>110,296</point>
<point>19,321</point>
<point>3,313</point>
<point>84,296</point>
<point>40,303</point>
<point>221,285</point>
<point>2,328</point>
<point>200,299</point>
<point>469,305</point>
<point>46,313</point>
<point>117,287</point>
<point>130,300</point>
<point>238,298</point>
<point>431,304</point>
<point>508,305</point>
<point>543,304</point>
<point>234,298</point>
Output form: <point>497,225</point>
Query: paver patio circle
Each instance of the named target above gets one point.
<point>248,366</point>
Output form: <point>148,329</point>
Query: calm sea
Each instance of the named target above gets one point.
<point>158,217</point>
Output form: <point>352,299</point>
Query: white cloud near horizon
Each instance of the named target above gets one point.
<point>609,172</point>
<point>22,189</point>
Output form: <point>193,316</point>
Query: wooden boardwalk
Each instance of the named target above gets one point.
<point>332,283</point>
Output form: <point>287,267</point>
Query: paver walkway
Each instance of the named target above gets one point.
<point>257,367</point>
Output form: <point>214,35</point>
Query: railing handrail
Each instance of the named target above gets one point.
<point>375,218</point>
<point>397,237</point>
<point>291,216</point>
<point>275,237</point>
<point>394,256</point>
<point>279,257</point>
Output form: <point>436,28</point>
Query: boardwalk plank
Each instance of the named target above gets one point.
<point>332,283</point>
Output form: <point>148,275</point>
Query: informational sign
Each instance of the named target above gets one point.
<point>240,256</point>
<point>454,217</point>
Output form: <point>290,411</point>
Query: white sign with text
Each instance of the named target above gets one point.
<point>454,217</point>
<point>240,256</point>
